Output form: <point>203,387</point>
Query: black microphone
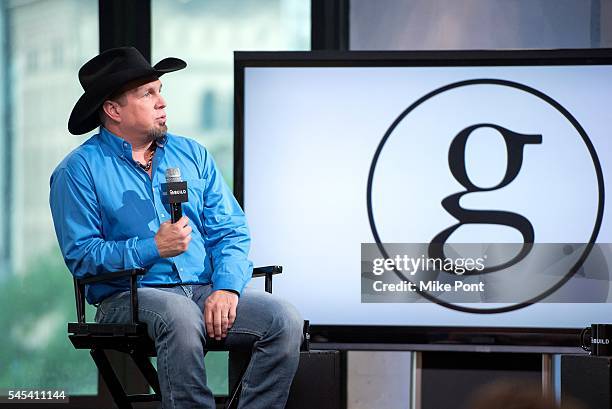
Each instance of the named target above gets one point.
<point>175,193</point>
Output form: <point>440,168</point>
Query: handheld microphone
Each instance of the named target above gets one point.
<point>174,191</point>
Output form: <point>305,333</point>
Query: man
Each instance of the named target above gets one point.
<point>109,216</point>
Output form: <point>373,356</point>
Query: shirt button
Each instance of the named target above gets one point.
<point>163,215</point>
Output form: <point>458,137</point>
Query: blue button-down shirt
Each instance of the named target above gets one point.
<point>106,211</point>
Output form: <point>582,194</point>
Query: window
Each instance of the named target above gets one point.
<point>205,33</point>
<point>47,42</point>
<point>479,24</point>
<point>208,110</point>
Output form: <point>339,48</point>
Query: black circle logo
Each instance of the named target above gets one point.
<point>527,234</point>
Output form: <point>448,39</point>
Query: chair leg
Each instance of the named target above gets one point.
<point>238,363</point>
<point>110,378</point>
<point>148,371</point>
<point>232,401</point>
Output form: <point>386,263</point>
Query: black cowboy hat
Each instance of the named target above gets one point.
<point>105,74</point>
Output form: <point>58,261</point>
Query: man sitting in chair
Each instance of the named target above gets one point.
<point>106,201</point>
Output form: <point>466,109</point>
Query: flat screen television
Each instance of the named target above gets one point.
<point>345,157</point>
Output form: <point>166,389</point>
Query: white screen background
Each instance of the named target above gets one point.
<point>309,138</point>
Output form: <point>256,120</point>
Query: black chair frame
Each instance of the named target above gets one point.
<point>132,339</point>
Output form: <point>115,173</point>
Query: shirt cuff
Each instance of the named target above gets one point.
<point>231,291</point>
<point>147,252</point>
<point>228,282</point>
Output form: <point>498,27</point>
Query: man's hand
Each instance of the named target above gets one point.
<point>220,313</point>
<point>173,239</point>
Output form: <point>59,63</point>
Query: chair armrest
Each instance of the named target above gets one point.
<point>111,276</point>
<point>267,272</point>
<point>79,290</point>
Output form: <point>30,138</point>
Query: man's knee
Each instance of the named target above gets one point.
<point>288,323</point>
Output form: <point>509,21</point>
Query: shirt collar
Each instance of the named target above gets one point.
<point>120,146</point>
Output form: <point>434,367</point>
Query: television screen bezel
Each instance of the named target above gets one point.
<point>460,338</point>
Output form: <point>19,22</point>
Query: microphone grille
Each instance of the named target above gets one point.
<point>173,175</point>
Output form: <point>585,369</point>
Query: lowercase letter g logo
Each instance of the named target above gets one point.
<point>515,143</point>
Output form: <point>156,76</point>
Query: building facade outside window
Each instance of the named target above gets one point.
<point>44,43</point>
<point>479,24</point>
<point>205,33</point>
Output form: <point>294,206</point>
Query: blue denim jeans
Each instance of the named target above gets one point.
<point>269,326</point>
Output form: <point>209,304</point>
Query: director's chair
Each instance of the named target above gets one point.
<point>133,340</point>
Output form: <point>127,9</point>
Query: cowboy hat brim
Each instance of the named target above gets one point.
<point>84,116</point>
